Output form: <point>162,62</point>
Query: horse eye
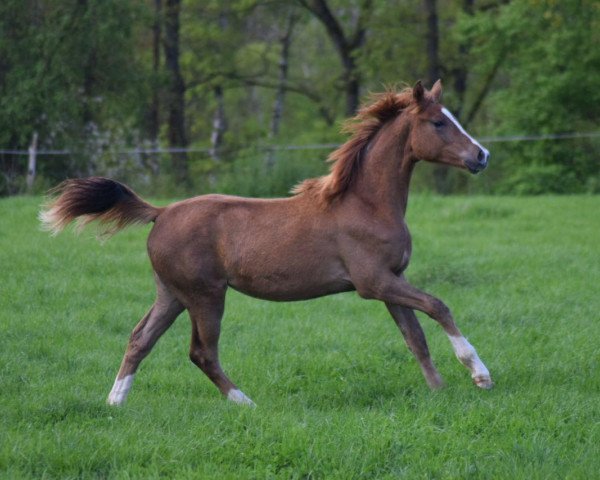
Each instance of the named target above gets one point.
<point>438,123</point>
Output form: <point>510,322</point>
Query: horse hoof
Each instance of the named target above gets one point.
<point>483,381</point>
<point>437,386</point>
<point>237,396</point>
<point>436,383</point>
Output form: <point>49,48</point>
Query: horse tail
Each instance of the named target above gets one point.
<point>113,204</point>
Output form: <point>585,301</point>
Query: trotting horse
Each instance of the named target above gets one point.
<point>340,232</point>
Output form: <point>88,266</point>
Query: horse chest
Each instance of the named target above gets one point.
<point>403,261</point>
<point>397,247</point>
<point>378,243</point>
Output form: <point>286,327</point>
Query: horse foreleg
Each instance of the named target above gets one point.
<point>397,291</point>
<point>414,337</point>
<point>161,316</point>
<point>205,314</point>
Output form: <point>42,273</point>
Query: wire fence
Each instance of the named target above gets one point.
<point>319,146</point>
<point>267,170</point>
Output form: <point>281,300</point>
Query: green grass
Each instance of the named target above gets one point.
<point>338,393</point>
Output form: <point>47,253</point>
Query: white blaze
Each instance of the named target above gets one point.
<point>446,112</point>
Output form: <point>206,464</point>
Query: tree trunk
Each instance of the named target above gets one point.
<point>89,79</point>
<point>461,72</point>
<point>219,125</point>
<point>440,172</point>
<point>285,40</point>
<point>151,160</point>
<point>31,164</point>
<point>352,90</point>
<point>346,46</point>
<point>88,116</point>
<point>176,92</point>
<point>433,59</point>
<point>485,87</point>
<point>154,113</point>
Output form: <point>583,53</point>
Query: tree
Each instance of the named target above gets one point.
<point>219,124</point>
<point>68,72</point>
<point>440,172</point>
<point>347,45</point>
<point>95,76</point>
<point>285,41</point>
<point>153,119</point>
<point>432,41</point>
<point>176,92</point>
<point>546,87</point>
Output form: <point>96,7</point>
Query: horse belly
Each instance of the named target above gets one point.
<point>292,293</point>
<point>288,277</point>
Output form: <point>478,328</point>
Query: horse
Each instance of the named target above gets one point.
<point>344,231</point>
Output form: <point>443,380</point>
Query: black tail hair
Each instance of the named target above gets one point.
<point>110,202</point>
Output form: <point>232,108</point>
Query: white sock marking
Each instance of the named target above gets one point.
<point>120,389</point>
<point>467,354</point>
<point>447,112</point>
<point>238,396</point>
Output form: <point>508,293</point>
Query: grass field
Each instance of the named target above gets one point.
<point>338,393</point>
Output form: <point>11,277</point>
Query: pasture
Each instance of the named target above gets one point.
<point>338,393</point>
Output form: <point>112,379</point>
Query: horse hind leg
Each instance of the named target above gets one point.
<point>205,314</point>
<point>144,336</point>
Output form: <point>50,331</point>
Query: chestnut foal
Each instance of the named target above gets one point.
<point>344,231</point>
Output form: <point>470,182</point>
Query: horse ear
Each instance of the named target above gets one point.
<point>436,91</point>
<point>418,92</point>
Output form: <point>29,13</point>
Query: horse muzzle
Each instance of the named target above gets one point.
<point>479,164</point>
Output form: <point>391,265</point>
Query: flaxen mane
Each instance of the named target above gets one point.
<point>347,159</point>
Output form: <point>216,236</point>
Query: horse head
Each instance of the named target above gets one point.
<point>437,136</point>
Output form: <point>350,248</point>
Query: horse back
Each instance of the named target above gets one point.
<point>278,249</point>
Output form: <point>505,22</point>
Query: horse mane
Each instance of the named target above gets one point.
<point>347,159</point>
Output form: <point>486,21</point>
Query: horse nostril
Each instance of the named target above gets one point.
<point>482,158</point>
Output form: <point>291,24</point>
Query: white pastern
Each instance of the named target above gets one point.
<point>467,355</point>
<point>238,396</point>
<point>452,118</point>
<point>119,391</point>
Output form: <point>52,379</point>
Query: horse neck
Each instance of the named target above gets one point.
<point>387,170</point>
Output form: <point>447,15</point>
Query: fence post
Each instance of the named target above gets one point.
<point>31,164</point>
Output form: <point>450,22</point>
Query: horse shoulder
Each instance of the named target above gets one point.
<point>374,244</point>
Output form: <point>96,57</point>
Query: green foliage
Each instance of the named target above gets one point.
<point>66,65</point>
<point>545,87</point>
<point>81,75</point>
<point>338,393</point>
<point>266,173</point>
<point>538,179</point>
